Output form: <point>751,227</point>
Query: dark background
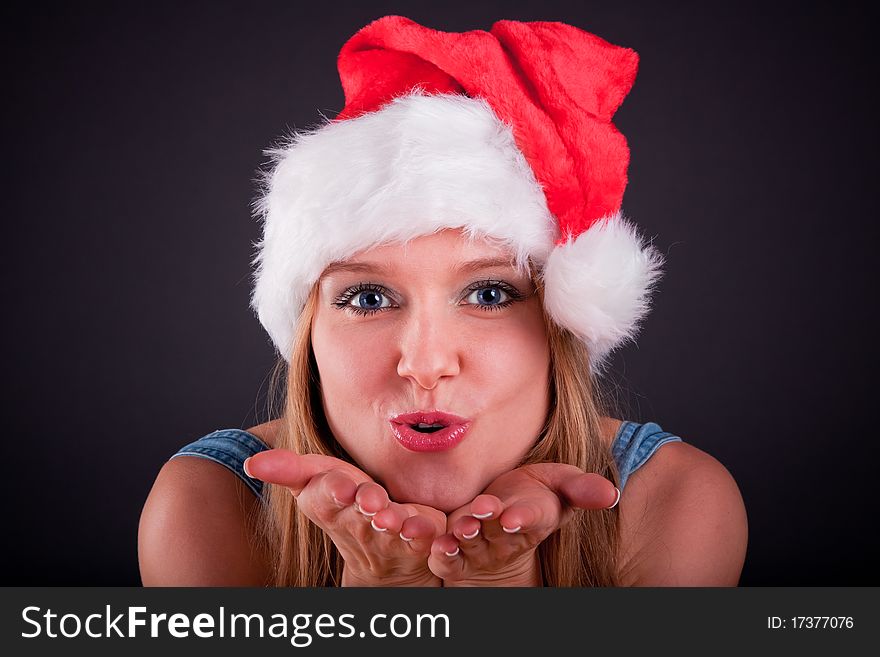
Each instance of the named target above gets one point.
<point>133,138</point>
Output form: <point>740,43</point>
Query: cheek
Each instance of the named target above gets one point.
<point>514,393</point>
<point>355,371</point>
<point>348,359</point>
<point>512,357</point>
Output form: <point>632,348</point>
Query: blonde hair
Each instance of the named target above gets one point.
<point>582,553</point>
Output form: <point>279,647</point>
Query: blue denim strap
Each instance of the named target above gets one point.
<point>230,448</point>
<point>634,445</point>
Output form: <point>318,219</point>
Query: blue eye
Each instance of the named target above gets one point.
<point>364,299</point>
<point>493,295</point>
<point>489,297</point>
<point>370,300</point>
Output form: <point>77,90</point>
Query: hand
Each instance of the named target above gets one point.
<point>381,542</point>
<point>492,540</point>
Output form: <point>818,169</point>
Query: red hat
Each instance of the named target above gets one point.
<point>505,133</point>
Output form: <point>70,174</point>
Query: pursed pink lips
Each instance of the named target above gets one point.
<point>429,431</point>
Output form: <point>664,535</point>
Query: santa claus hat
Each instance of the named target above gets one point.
<point>506,134</point>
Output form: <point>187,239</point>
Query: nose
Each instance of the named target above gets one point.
<point>429,349</point>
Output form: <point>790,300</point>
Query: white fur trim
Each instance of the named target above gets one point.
<point>417,166</point>
<point>598,285</point>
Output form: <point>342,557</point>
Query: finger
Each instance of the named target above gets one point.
<point>320,499</point>
<point>484,507</point>
<point>389,519</point>
<point>418,532</point>
<point>446,560</point>
<point>526,516</point>
<point>338,488</point>
<point>487,509</point>
<point>445,547</point>
<point>287,468</point>
<point>370,498</point>
<point>589,491</point>
<point>583,490</point>
<point>466,528</point>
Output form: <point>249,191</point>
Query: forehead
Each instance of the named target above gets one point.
<point>447,250</point>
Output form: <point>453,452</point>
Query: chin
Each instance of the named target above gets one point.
<point>445,497</point>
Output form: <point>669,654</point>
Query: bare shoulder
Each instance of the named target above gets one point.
<point>197,528</point>
<point>683,521</point>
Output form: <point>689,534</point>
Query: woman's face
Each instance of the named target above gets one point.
<point>402,329</point>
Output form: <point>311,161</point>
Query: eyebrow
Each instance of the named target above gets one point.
<point>469,266</point>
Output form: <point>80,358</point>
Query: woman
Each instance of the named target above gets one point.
<point>445,269</point>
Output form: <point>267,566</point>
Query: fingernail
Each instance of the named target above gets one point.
<point>512,530</point>
<point>618,498</point>
<point>470,536</point>
<point>482,516</point>
<point>378,529</point>
<point>452,554</point>
<point>406,538</point>
<point>245,467</point>
<point>369,515</point>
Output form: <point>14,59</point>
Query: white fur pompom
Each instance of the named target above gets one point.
<point>598,285</point>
